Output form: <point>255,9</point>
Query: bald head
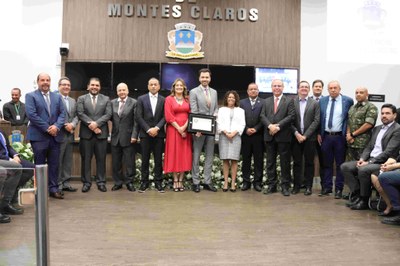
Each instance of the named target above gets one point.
<point>361,94</point>
<point>122,91</point>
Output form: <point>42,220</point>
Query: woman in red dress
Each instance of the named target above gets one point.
<point>178,146</point>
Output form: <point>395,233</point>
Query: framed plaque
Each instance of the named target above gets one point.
<point>204,124</point>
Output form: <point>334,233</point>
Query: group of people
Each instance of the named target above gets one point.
<point>289,128</point>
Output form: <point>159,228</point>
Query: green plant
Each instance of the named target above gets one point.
<point>24,150</point>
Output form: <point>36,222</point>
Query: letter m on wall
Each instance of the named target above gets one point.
<point>114,10</point>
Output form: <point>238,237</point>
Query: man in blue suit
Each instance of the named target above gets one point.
<point>332,138</point>
<point>46,114</point>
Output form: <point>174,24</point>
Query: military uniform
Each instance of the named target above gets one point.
<point>359,114</point>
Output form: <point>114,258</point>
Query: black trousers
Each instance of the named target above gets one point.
<point>253,147</point>
<point>283,149</point>
<point>303,154</point>
<point>156,146</point>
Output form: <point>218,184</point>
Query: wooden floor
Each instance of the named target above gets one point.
<point>185,228</point>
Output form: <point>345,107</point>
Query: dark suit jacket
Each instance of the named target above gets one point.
<point>252,114</point>
<point>311,119</point>
<point>284,117</point>
<point>10,114</point>
<point>145,118</point>
<point>100,115</point>
<point>123,126</point>
<point>11,151</point>
<point>39,117</point>
<point>347,102</point>
<point>390,144</point>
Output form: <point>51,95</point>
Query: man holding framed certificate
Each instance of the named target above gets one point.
<point>203,101</point>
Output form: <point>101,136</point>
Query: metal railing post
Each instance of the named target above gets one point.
<point>42,217</point>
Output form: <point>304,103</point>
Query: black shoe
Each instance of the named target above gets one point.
<point>303,186</point>
<point>160,188</point>
<point>285,192</point>
<point>10,209</point>
<point>116,187</point>
<point>295,191</point>
<point>224,190</point>
<point>257,187</point>
<point>196,188</point>
<point>233,189</point>
<point>308,192</point>
<point>338,194</point>
<point>270,190</point>
<point>395,220</point>
<point>390,214</point>
<point>102,188</point>
<point>245,186</point>
<point>57,195</point>
<point>325,192</point>
<point>69,189</point>
<point>353,202</point>
<point>85,188</point>
<point>130,187</point>
<point>143,188</point>
<point>361,205</point>
<point>4,219</point>
<point>346,196</point>
<point>209,187</point>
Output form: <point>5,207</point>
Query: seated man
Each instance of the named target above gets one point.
<point>384,143</point>
<point>3,217</point>
<point>18,172</point>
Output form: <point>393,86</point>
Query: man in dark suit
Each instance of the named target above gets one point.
<point>277,115</point>
<point>16,173</point>
<point>71,121</point>
<point>14,111</point>
<point>332,138</point>
<point>252,139</point>
<point>203,100</point>
<point>46,114</point>
<point>304,128</point>
<point>94,111</point>
<point>150,117</point>
<point>384,144</point>
<point>123,136</point>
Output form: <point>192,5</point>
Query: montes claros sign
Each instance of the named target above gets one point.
<point>175,11</point>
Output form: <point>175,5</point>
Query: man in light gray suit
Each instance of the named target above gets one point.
<point>94,111</point>
<point>71,121</point>
<point>203,100</point>
<point>124,134</point>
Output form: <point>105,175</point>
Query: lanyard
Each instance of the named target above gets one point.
<point>16,107</point>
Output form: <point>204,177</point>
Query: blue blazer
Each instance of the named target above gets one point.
<point>39,117</point>
<point>347,102</point>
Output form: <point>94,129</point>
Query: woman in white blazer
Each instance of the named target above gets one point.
<point>230,125</point>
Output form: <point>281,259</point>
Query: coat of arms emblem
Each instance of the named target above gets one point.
<point>184,42</point>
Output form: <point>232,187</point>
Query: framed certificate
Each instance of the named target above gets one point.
<point>204,124</point>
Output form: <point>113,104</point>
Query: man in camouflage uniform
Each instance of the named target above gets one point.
<point>362,118</point>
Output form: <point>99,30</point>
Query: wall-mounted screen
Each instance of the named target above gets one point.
<point>265,75</point>
<point>188,72</point>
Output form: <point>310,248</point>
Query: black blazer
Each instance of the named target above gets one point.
<point>390,144</point>
<point>252,114</point>
<point>311,119</point>
<point>284,117</point>
<point>145,118</point>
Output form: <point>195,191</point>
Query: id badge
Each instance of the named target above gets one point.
<point>18,117</point>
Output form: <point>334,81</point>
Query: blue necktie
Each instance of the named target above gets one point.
<point>330,121</point>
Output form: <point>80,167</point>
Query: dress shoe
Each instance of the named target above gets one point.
<point>160,188</point>
<point>308,192</point>
<point>353,202</point>
<point>395,220</point>
<point>325,192</point>
<point>257,187</point>
<point>4,218</point>
<point>143,188</point>
<point>69,189</point>
<point>295,190</point>
<point>338,194</point>
<point>209,187</point>
<point>361,205</point>
<point>245,186</point>
<point>270,190</point>
<point>130,187</point>
<point>196,188</point>
<point>10,209</point>
<point>116,187</point>
<point>285,192</point>
<point>85,188</point>
<point>56,195</point>
<point>102,188</point>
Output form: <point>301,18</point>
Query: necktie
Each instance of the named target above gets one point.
<point>330,121</point>
<point>121,108</point>
<point>276,104</point>
<point>3,143</point>
<point>46,97</point>
<point>317,99</point>
<point>253,102</point>
<point>94,102</point>
<point>66,103</point>
<point>207,97</point>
